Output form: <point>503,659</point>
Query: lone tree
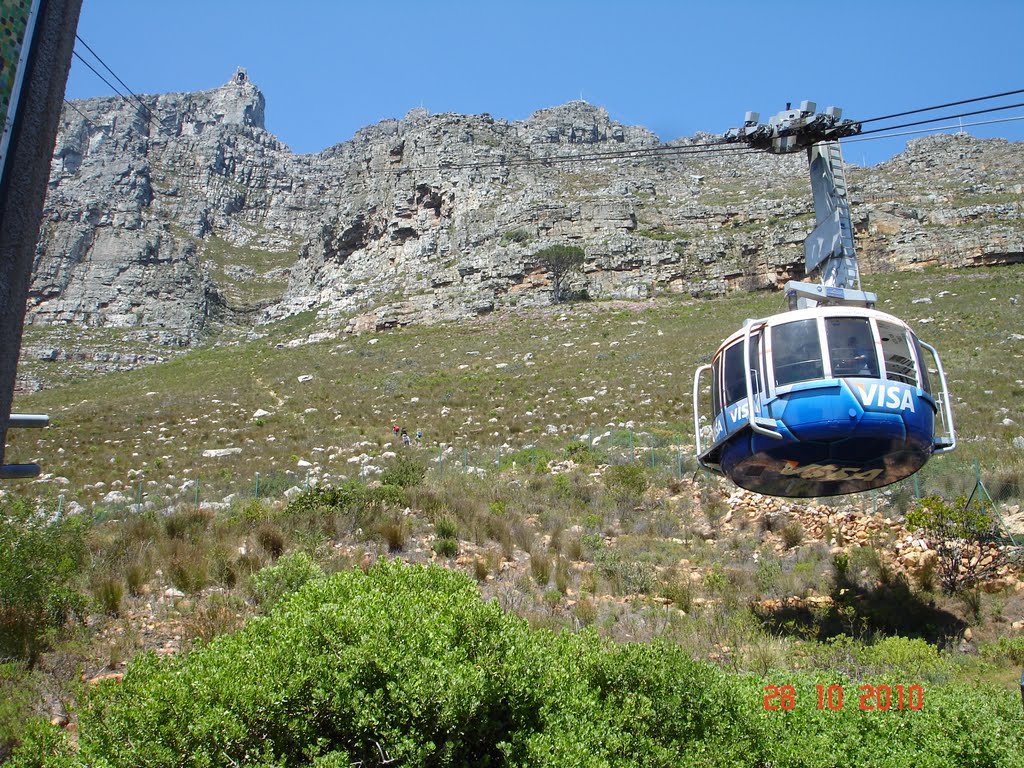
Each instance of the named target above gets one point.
<point>960,533</point>
<point>560,260</point>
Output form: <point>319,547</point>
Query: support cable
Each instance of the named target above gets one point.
<point>944,117</point>
<point>112,72</point>
<point>941,106</point>
<point>933,130</point>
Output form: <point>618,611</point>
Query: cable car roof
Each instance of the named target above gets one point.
<point>814,312</point>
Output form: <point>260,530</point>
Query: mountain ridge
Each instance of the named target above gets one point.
<point>186,214</point>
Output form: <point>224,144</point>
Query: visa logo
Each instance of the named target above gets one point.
<point>882,396</point>
<point>741,411</point>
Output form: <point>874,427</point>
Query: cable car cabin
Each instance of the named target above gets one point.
<point>823,401</point>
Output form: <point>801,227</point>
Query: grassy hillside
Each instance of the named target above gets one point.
<point>499,383</point>
<point>554,470</point>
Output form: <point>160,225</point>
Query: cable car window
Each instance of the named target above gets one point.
<point>925,383</point>
<point>897,354</point>
<point>716,388</point>
<point>796,352</point>
<point>755,360</point>
<point>851,347</point>
<point>734,370</point>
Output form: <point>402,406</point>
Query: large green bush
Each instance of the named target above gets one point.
<point>40,561</point>
<point>405,658</point>
<point>407,664</point>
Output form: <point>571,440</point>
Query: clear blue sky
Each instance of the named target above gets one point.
<point>328,68</point>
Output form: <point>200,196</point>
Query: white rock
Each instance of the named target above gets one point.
<point>214,453</point>
<point>305,377</point>
<point>260,413</point>
<point>302,463</point>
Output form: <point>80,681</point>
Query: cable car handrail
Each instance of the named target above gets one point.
<point>945,409</point>
<point>751,418</point>
<point>696,409</point>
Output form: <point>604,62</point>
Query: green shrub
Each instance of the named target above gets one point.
<point>533,459</point>
<point>271,540</point>
<point>515,236</point>
<point>323,498</point>
<point>400,660</point>
<point>40,560</point>
<point>446,528</point>
<point>136,576</point>
<point>446,547</point>
<point>626,577</point>
<point>792,534</point>
<point>1004,649</point>
<point>954,530</point>
<point>394,530</point>
<point>540,568</point>
<point>17,696</point>
<point>403,473</point>
<point>188,567</point>
<point>582,453</point>
<point>626,483</point>
<point>187,523</point>
<point>109,593</point>
<point>288,574</point>
<point>769,575</point>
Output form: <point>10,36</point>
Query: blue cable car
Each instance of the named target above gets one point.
<point>823,401</point>
<point>833,396</point>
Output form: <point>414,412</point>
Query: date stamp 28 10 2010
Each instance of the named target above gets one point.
<point>873,698</point>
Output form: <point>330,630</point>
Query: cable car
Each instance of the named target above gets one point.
<point>833,396</point>
<point>824,401</point>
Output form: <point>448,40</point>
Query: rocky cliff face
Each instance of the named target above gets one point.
<point>181,211</point>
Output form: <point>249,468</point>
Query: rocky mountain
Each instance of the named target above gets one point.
<point>174,213</point>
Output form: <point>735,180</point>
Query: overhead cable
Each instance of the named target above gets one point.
<point>941,106</point>
<point>932,130</point>
<point>84,116</point>
<point>943,117</point>
<point>112,72</point>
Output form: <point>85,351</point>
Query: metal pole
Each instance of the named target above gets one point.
<point>257,485</point>
<point>40,75</point>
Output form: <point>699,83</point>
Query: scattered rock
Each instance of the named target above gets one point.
<point>215,453</point>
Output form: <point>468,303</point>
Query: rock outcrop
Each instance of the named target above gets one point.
<point>175,212</point>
